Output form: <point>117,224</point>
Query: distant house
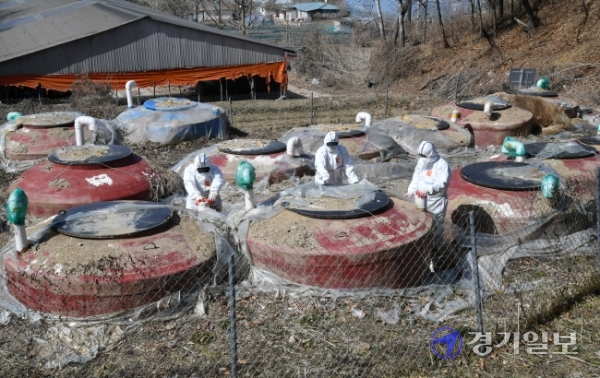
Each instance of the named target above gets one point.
<point>308,11</point>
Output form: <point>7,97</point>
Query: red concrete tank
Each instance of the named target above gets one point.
<point>390,249</point>
<point>512,121</point>
<point>500,211</point>
<point>79,175</point>
<point>79,276</point>
<point>268,158</point>
<point>39,134</point>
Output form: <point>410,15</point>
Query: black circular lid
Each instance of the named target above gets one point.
<point>533,149</point>
<point>48,120</point>
<point>379,203</point>
<point>251,147</point>
<point>533,92</point>
<point>114,219</point>
<point>590,141</point>
<point>342,131</point>
<point>489,174</point>
<point>170,104</point>
<point>479,104</point>
<point>89,154</point>
<point>425,122</point>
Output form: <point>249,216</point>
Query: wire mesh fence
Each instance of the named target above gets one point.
<point>318,107</point>
<point>279,291</point>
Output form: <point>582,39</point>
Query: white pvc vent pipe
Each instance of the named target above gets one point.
<point>130,84</point>
<point>294,147</point>
<point>364,116</point>
<point>21,242</point>
<point>487,109</point>
<point>249,199</point>
<point>80,122</point>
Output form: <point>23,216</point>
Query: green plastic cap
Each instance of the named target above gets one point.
<point>549,185</point>
<point>543,83</point>
<point>16,207</point>
<point>512,147</point>
<point>245,175</point>
<point>11,116</point>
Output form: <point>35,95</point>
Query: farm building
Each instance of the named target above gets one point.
<point>308,11</point>
<point>52,43</point>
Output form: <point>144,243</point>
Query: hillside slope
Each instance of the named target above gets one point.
<point>565,49</point>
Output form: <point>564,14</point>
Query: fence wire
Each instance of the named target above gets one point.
<point>275,293</point>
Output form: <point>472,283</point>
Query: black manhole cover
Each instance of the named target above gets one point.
<point>251,147</point>
<point>89,154</point>
<point>479,104</point>
<point>114,219</point>
<point>534,149</point>
<point>590,141</point>
<point>493,174</point>
<point>533,92</point>
<point>379,203</point>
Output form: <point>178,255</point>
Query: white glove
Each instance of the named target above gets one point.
<point>196,196</point>
<point>427,189</point>
<point>212,197</point>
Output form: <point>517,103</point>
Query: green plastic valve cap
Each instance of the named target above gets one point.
<point>16,207</point>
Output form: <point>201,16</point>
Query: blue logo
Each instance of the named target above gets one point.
<point>446,343</point>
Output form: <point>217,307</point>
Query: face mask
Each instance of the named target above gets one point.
<point>332,147</point>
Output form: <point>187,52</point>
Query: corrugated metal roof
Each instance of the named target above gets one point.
<point>27,26</point>
<point>309,7</point>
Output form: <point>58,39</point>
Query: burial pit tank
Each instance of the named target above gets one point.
<point>37,134</point>
<point>110,257</point>
<point>384,243</point>
<point>168,120</point>
<point>569,106</point>
<point>268,157</point>
<point>488,129</point>
<point>79,175</point>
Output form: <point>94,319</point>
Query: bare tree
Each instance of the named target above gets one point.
<point>532,20</point>
<point>403,8</point>
<point>492,4</point>
<point>380,19</point>
<point>423,5</point>
<point>439,16</point>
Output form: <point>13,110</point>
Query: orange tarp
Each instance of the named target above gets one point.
<point>188,76</point>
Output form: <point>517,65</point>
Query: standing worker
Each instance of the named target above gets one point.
<point>430,181</point>
<point>203,182</point>
<point>330,160</point>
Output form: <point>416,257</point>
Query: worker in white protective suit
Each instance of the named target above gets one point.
<point>430,181</point>
<point>203,182</point>
<point>331,160</point>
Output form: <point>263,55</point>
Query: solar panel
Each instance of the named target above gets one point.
<point>521,77</point>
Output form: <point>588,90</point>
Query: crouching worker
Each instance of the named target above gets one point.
<point>331,160</point>
<point>203,182</point>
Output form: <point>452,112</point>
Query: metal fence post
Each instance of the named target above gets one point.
<point>230,112</point>
<point>475,271</point>
<point>232,316</point>
<point>387,92</point>
<point>311,108</point>
<point>456,89</point>
<point>598,213</point>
